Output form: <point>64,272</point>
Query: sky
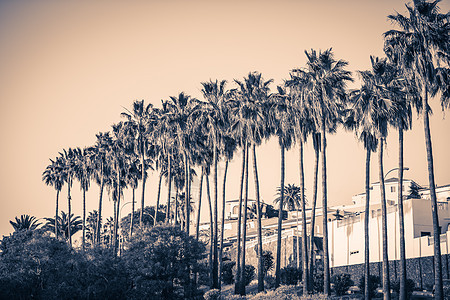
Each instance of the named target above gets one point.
<point>69,68</point>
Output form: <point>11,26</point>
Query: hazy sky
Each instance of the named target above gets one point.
<point>67,69</point>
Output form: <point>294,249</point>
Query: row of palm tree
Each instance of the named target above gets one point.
<point>186,133</point>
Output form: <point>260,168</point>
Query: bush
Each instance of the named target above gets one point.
<point>269,282</point>
<point>213,294</point>
<point>290,275</point>
<point>267,262</point>
<point>318,282</point>
<point>374,282</point>
<point>342,282</point>
<point>249,274</point>
<point>410,285</point>
<point>227,272</point>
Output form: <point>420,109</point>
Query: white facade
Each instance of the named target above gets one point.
<point>346,242</point>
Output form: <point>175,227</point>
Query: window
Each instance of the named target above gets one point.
<point>392,189</point>
<point>425,233</point>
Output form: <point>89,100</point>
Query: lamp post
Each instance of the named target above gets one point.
<point>120,224</point>
<point>405,169</point>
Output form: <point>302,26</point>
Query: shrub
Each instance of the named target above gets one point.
<point>290,275</point>
<point>318,282</point>
<point>249,274</point>
<point>227,272</point>
<point>267,262</point>
<point>269,282</point>
<point>213,294</point>
<point>342,282</point>
<point>410,285</point>
<point>374,282</point>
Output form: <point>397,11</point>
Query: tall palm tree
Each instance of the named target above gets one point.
<point>140,116</point>
<point>83,173</point>
<point>215,94</point>
<point>360,120</point>
<point>282,120</point>
<point>423,43</point>
<point>132,176</point>
<point>26,222</point>
<point>68,158</point>
<point>251,116</point>
<point>54,176</point>
<point>102,172</point>
<point>325,80</point>
<point>316,145</point>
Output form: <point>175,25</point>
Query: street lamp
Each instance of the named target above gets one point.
<point>405,169</point>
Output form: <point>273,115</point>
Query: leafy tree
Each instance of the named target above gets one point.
<point>161,258</point>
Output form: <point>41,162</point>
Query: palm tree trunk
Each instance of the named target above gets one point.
<point>187,195</point>
<point>69,208</point>
<point>132,214</point>
<point>326,262</point>
<point>366,229</point>
<point>386,283</point>
<point>169,182</point>
<point>83,241</point>
<point>280,220</point>
<point>215,276</point>
<point>56,214</point>
<point>99,216</point>
<point>304,234</point>
<point>259,225</point>
<point>313,216</point>
<point>116,217</point>
<point>238,255</point>
<point>144,178</point>
<point>439,293</point>
<point>244,229</point>
<point>211,229</point>
<point>175,222</point>
<point>157,198</point>
<point>222,225</point>
<point>197,229</point>
<point>401,215</point>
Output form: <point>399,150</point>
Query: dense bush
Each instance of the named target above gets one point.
<point>269,282</point>
<point>342,282</point>
<point>290,275</point>
<point>213,294</point>
<point>318,282</point>
<point>374,282</point>
<point>410,285</point>
<point>249,274</point>
<point>227,272</point>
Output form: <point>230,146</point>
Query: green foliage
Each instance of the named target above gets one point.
<point>249,274</point>
<point>342,282</point>
<point>227,272</point>
<point>160,257</point>
<point>410,285</point>
<point>213,294</point>
<point>267,261</point>
<point>290,275</point>
<point>374,282</point>
<point>318,282</point>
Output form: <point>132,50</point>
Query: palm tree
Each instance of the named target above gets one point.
<point>360,120</point>
<point>102,170</point>
<point>68,158</point>
<point>132,176</point>
<point>316,145</point>
<point>26,222</point>
<point>422,45</point>
<point>325,80</point>
<point>54,176</point>
<point>67,227</point>
<point>251,117</point>
<point>140,116</point>
<point>83,172</point>
<point>91,226</point>
<point>282,124</point>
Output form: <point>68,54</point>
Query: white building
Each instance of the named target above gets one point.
<point>346,242</point>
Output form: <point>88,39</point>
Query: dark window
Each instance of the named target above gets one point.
<point>425,233</point>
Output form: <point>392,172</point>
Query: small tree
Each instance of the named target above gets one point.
<point>290,275</point>
<point>267,262</point>
<point>227,271</point>
<point>249,274</point>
